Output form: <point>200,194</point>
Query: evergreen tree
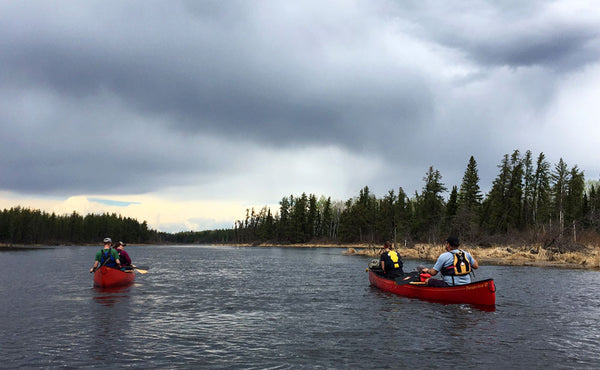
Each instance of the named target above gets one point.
<point>387,224</point>
<point>541,192</point>
<point>312,217</point>
<point>468,202</point>
<point>403,216</point>
<point>469,196</point>
<point>515,192</point>
<point>327,218</point>
<point>528,189</point>
<point>574,201</point>
<point>495,218</point>
<point>559,192</point>
<point>431,206</point>
<point>451,210</point>
<point>284,219</point>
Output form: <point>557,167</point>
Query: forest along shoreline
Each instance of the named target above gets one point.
<point>506,255</point>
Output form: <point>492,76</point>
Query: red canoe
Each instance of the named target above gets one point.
<point>109,277</point>
<point>478,293</point>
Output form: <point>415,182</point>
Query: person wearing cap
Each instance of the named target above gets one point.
<point>123,256</point>
<point>446,261</point>
<point>390,261</point>
<point>106,256</point>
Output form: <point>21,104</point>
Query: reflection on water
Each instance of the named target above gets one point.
<point>112,295</point>
<point>226,307</point>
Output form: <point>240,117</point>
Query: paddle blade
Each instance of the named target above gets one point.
<point>141,271</point>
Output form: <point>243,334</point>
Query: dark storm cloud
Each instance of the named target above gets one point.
<point>151,94</point>
<point>228,76</point>
<point>514,33</point>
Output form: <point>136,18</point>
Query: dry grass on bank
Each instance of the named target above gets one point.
<point>499,255</point>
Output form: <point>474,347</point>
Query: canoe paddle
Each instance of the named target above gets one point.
<point>141,269</point>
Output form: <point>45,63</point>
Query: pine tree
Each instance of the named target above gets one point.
<point>559,192</point>
<point>451,210</point>
<point>574,201</point>
<point>515,192</point>
<point>469,196</point>
<point>387,222</point>
<point>431,205</point>
<point>494,213</point>
<point>528,189</point>
<point>469,203</point>
<point>403,215</point>
<point>541,192</point>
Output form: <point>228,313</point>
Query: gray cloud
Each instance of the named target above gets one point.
<point>136,96</point>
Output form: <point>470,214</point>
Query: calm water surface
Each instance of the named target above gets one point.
<point>229,307</point>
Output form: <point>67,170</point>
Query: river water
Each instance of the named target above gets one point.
<point>279,308</point>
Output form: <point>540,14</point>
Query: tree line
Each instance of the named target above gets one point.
<point>24,226</point>
<point>530,201</point>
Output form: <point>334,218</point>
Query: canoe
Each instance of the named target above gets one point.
<point>478,293</point>
<point>109,277</point>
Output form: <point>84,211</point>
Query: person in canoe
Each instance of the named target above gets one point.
<point>390,261</point>
<point>454,264</point>
<point>106,257</point>
<point>123,256</point>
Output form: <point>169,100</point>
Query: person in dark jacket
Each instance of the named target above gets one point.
<point>390,261</point>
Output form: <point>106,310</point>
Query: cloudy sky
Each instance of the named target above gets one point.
<point>185,113</point>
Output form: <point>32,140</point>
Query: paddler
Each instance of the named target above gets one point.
<point>390,261</point>
<point>106,256</point>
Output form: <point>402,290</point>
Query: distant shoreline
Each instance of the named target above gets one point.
<point>506,255</point>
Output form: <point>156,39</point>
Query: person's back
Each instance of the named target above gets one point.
<point>107,257</point>
<point>455,266</point>
<point>123,255</point>
<point>447,267</point>
<point>391,263</point>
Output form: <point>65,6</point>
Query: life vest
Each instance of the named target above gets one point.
<point>460,266</point>
<point>108,257</point>
<point>395,258</point>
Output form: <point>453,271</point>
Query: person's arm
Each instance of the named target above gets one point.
<point>383,265</point>
<point>116,255</point>
<point>127,259</point>
<point>430,271</point>
<point>96,263</point>
<point>474,264</point>
<point>437,266</point>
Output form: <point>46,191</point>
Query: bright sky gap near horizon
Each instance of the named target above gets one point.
<point>186,113</point>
